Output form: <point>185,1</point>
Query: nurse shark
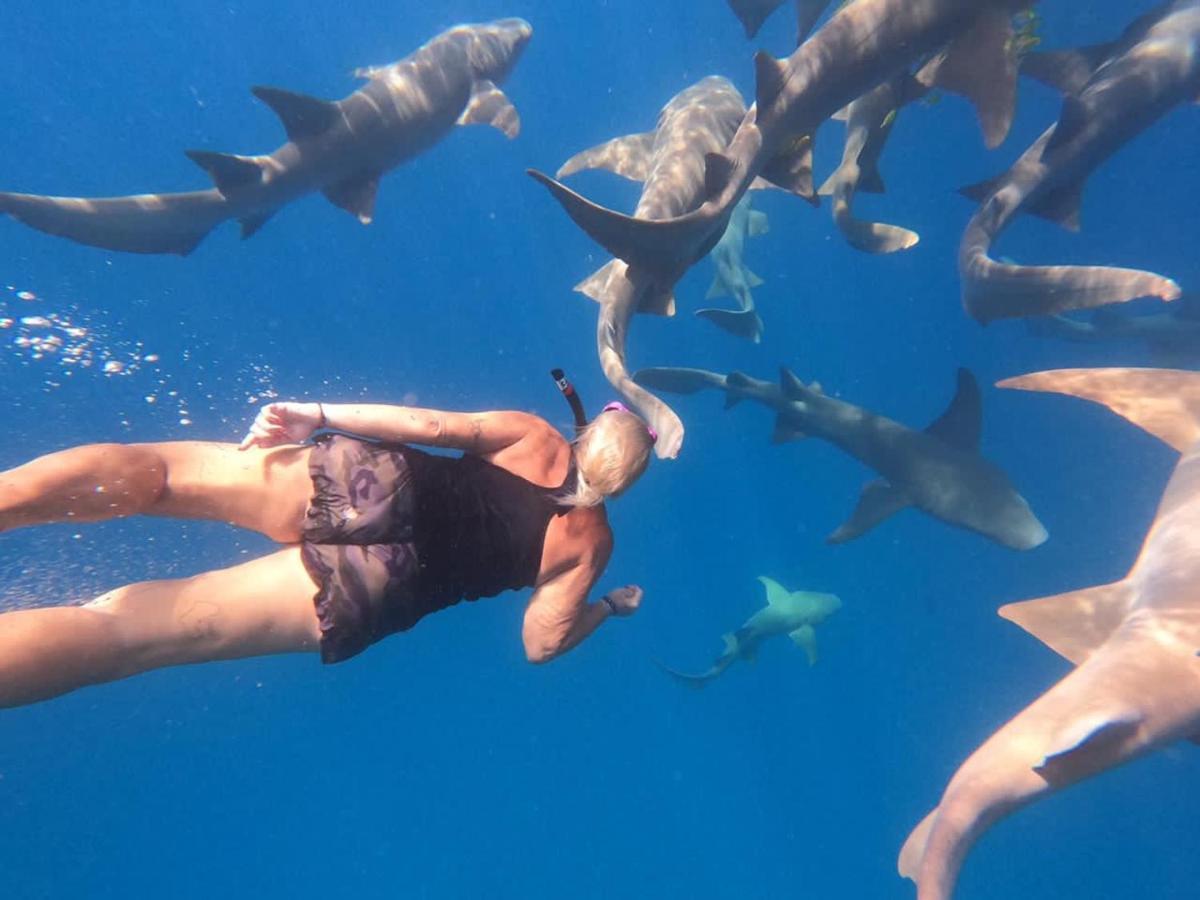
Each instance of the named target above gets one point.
<point>1113,93</point>
<point>340,148</point>
<point>669,161</point>
<point>794,613</point>
<point>1136,685</point>
<point>865,43</point>
<point>938,470</point>
<point>1172,337</point>
<point>733,278</point>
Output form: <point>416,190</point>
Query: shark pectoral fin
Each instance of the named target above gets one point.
<point>657,303</point>
<point>785,430</point>
<point>1164,402</point>
<point>251,224</point>
<point>717,289</point>
<point>356,195</point>
<point>805,638</point>
<point>1065,70</point>
<point>743,323</point>
<point>597,284</point>
<point>962,422</point>
<point>878,501</point>
<point>1085,736</point>
<point>757,223</point>
<point>981,66</point>
<point>1061,205</point>
<point>753,280</point>
<point>627,156</point>
<point>229,172</point>
<point>1073,624</point>
<point>489,106</point>
<point>302,116</point>
<point>792,169</point>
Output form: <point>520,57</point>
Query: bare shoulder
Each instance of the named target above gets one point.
<point>541,455</point>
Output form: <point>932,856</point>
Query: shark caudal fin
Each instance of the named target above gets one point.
<point>874,237</point>
<point>143,223</point>
<point>627,156</point>
<point>1073,624</point>
<point>981,65</point>
<point>743,323</point>
<point>1164,402</point>
<point>913,850</point>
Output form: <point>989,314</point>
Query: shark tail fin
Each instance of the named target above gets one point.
<point>875,237</point>
<point>913,850</point>
<point>696,682</point>
<point>743,323</point>
<point>981,65</point>
<point>1164,402</point>
<point>1075,623</point>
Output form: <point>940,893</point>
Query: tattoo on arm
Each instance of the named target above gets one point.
<point>476,431</point>
<point>437,427</point>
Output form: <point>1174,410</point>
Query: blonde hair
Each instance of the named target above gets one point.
<point>610,455</point>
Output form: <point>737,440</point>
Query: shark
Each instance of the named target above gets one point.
<point>341,148</point>
<point>1136,682</point>
<point>863,44</point>
<point>1171,336</point>
<point>1113,92</point>
<point>938,470</point>
<point>752,14</point>
<point>733,278</point>
<point>669,162</point>
<point>794,613</point>
<point>869,121</point>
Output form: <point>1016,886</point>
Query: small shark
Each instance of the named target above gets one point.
<point>794,613</point>
<point>752,14</point>
<point>1136,685</point>
<point>669,161</point>
<point>863,44</point>
<point>733,278</point>
<point>869,121</point>
<point>341,148</point>
<point>1113,92</point>
<point>1172,337</point>
<point>938,470</point>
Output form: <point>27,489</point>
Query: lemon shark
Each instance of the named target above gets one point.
<point>1136,683</point>
<point>938,470</point>
<point>863,44</point>
<point>340,148</point>
<point>669,162</point>
<point>752,14</point>
<point>733,278</point>
<point>794,613</point>
<point>1113,92</point>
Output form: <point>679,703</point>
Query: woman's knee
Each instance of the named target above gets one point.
<point>154,624</point>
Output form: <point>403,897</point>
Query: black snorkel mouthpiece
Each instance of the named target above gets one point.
<point>572,397</point>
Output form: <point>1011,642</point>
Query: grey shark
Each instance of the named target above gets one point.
<point>669,161</point>
<point>1172,337</point>
<point>752,14</point>
<point>863,44</point>
<point>340,148</point>
<point>733,278</point>
<point>794,613</point>
<point>869,121</point>
<point>1113,93</point>
<point>1136,683</point>
<point>938,470</point>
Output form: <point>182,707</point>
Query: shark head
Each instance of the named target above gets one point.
<point>823,606</point>
<point>1015,525</point>
<point>494,48</point>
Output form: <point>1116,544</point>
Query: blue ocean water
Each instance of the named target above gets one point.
<point>439,764</point>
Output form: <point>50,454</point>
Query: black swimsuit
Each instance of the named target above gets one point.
<point>392,534</point>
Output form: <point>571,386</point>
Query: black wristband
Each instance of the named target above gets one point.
<point>321,410</point>
<point>612,607</point>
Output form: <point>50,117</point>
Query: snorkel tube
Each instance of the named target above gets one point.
<point>571,396</point>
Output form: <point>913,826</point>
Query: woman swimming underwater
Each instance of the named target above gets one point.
<point>380,534</point>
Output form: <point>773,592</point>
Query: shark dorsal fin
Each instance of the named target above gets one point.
<point>229,172</point>
<point>776,592</point>
<point>356,195</point>
<point>770,78</point>
<point>1073,624</point>
<point>302,116</point>
<point>1164,402</point>
<point>1065,70</point>
<point>791,385</point>
<point>962,422</point>
<point>1090,733</point>
<point>489,106</point>
<point>627,156</point>
<point>981,65</point>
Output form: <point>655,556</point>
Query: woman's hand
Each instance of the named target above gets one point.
<point>283,423</point>
<point>624,601</point>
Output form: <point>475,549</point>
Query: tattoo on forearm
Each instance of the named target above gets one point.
<point>476,432</point>
<point>437,427</point>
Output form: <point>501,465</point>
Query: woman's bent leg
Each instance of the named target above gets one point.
<point>257,608</point>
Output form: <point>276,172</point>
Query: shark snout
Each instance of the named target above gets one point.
<point>497,46</point>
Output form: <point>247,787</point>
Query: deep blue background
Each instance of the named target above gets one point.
<point>439,764</point>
